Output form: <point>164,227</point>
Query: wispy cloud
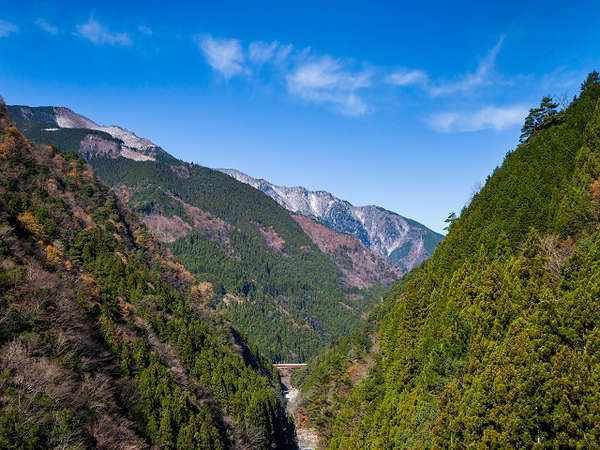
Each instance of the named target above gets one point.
<point>97,33</point>
<point>45,26</point>
<point>7,28</point>
<point>283,51</point>
<point>223,55</point>
<point>331,81</point>
<point>318,79</point>
<point>469,81</point>
<point>405,77</point>
<point>487,118</point>
<point>340,84</point>
<point>260,52</point>
<point>145,30</point>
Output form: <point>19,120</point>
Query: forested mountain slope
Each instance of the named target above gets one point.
<point>105,340</point>
<point>403,242</point>
<point>328,379</point>
<point>495,342</point>
<point>252,258</point>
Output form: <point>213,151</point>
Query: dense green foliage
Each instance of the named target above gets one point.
<point>104,340</point>
<point>329,377</point>
<point>527,190</point>
<point>289,296</point>
<point>495,342</point>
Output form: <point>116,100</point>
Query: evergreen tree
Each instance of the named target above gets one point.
<point>495,343</point>
<point>593,80</point>
<point>528,126</point>
<point>539,118</point>
<point>547,111</point>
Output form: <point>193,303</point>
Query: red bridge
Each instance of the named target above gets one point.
<point>289,366</point>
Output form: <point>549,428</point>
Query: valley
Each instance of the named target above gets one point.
<point>145,299</point>
<point>291,284</point>
<point>299,226</point>
<point>289,281</point>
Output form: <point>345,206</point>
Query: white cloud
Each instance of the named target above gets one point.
<point>283,52</point>
<point>145,30</point>
<point>45,26</point>
<point>262,52</point>
<point>487,118</point>
<point>407,77</point>
<point>339,83</point>
<point>470,80</point>
<point>322,80</point>
<point>7,28</point>
<point>329,80</point>
<point>223,55</point>
<point>99,34</point>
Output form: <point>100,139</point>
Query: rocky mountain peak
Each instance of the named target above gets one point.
<point>403,242</point>
<point>58,117</point>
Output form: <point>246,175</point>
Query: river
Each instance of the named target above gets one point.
<point>307,438</point>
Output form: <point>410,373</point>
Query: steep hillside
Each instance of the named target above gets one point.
<point>253,259</point>
<point>361,267</point>
<point>402,242</point>
<point>55,124</point>
<point>495,341</point>
<point>105,341</point>
<point>328,379</point>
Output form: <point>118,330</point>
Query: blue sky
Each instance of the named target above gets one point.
<point>407,105</point>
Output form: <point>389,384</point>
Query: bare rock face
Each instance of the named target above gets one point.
<point>361,267</point>
<point>65,118</point>
<point>60,118</point>
<point>95,146</point>
<point>402,242</point>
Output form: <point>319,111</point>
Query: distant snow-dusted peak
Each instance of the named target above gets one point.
<point>65,118</point>
<point>120,143</point>
<point>403,242</point>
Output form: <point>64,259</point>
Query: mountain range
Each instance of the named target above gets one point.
<point>112,338</point>
<point>106,341</point>
<point>292,283</point>
<point>403,242</point>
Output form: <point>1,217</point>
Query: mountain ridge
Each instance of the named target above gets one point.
<point>251,257</point>
<point>403,242</point>
<point>105,339</point>
<point>132,146</point>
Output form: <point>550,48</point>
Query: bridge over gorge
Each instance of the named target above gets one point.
<point>285,370</point>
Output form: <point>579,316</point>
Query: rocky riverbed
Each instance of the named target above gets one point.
<point>307,438</point>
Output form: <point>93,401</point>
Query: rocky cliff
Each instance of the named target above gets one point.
<point>403,242</point>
